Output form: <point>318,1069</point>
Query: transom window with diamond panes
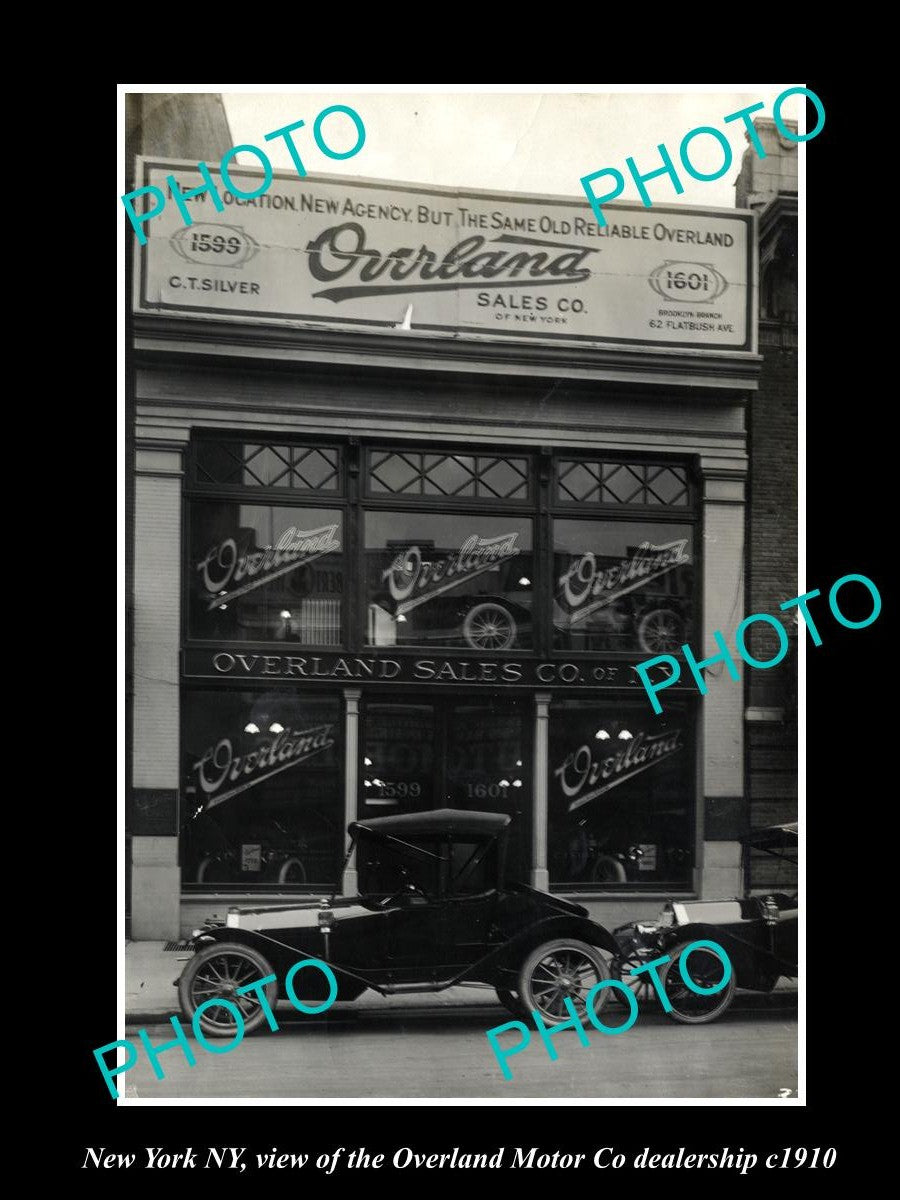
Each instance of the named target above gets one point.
<point>268,465</point>
<point>594,481</point>
<point>456,476</point>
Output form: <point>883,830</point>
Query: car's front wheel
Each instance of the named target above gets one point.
<point>216,973</point>
<point>706,969</point>
<point>559,969</point>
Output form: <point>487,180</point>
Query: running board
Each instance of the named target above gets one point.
<point>396,989</point>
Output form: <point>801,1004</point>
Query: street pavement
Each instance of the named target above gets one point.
<point>422,1049</point>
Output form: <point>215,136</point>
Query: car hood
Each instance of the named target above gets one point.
<point>302,915</point>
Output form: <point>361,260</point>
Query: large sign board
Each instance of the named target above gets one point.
<point>334,252</point>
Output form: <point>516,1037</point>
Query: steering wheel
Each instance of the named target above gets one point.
<point>408,889</point>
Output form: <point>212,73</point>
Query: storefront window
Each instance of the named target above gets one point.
<point>451,754</point>
<point>262,793</point>
<point>621,799</point>
<point>448,580</point>
<point>622,585</point>
<point>261,572</point>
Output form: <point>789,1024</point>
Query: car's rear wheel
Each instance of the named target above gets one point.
<point>215,974</point>
<point>707,970</point>
<point>559,969</point>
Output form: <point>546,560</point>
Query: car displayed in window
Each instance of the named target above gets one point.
<point>481,622</point>
<point>758,933</point>
<point>434,911</point>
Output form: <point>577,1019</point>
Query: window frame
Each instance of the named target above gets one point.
<point>353,498</point>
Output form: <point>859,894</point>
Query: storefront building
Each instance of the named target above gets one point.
<point>420,475</point>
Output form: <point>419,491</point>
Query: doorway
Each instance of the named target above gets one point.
<point>470,753</point>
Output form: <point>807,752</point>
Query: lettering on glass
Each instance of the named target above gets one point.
<point>587,588</point>
<point>219,766</point>
<point>413,580</point>
<point>223,566</point>
<point>581,770</point>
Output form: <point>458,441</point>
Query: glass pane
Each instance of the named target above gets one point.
<point>386,869</point>
<point>488,770</point>
<point>621,796</point>
<point>398,759</point>
<point>506,478</point>
<point>622,585</point>
<point>265,573</point>
<point>448,580</point>
<point>262,796</point>
<point>395,472</point>
<point>259,464</point>
<point>315,469</point>
<point>267,466</point>
<point>449,475</point>
<point>623,484</point>
<point>667,485</point>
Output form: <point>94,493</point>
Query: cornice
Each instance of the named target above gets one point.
<point>174,339</point>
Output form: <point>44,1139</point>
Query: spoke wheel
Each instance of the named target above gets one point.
<point>706,969</point>
<point>489,627</point>
<point>560,969</point>
<point>215,974</point>
<point>660,631</point>
<point>641,987</point>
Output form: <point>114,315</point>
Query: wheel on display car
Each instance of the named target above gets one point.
<point>292,870</point>
<point>214,869</point>
<point>489,626</point>
<point>641,987</point>
<point>562,968</point>
<point>215,974</point>
<point>607,869</point>
<point>706,970</point>
<point>660,631</point>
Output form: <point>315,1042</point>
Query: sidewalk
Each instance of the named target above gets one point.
<point>150,997</point>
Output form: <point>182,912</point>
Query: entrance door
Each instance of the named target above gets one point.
<point>451,753</point>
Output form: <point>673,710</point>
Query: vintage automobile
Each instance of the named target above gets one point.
<point>433,912</point>
<point>758,933</point>
<point>482,622</point>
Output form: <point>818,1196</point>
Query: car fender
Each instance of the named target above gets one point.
<point>749,960</point>
<point>511,954</point>
<point>281,957</point>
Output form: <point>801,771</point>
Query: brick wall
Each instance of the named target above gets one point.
<point>771,742</point>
